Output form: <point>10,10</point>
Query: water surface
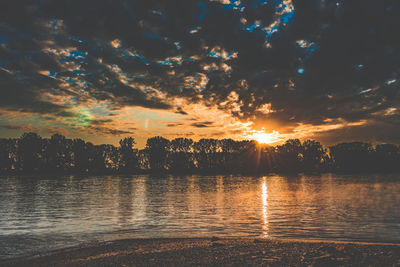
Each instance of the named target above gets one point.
<point>38,214</point>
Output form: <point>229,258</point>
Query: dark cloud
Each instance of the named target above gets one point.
<point>101,121</point>
<point>312,61</point>
<point>179,110</point>
<point>374,131</point>
<point>25,93</point>
<point>203,124</point>
<point>25,128</point>
<point>107,131</point>
<point>174,124</point>
<point>33,128</point>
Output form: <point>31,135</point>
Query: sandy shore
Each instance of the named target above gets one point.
<point>219,252</point>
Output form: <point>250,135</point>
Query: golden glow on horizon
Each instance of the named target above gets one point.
<point>264,138</point>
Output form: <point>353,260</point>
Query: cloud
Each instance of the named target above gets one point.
<point>276,64</point>
<point>107,131</point>
<point>203,124</point>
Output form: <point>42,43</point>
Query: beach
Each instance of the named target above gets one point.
<point>218,252</point>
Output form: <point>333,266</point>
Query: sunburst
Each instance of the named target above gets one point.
<point>264,138</point>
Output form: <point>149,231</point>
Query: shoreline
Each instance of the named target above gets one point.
<point>218,252</point>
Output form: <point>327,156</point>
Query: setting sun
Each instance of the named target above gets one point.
<point>264,138</point>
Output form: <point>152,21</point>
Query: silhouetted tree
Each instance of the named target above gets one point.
<point>102,158</point>
<point>250,159</point>
<point>230,152</point>
<point>350,157</point>
<point>181,155</point>
<point>387,157</point>
<point>7,154</point>
<point>57,153</point>
<point>290,155</point>
<point>157,149</point>
<point>205,153</point>
<point>80,156</point>
<point>143,159</point>
<point>29,152</point>
<point>111,155</point>
<point>314,155</point>
<point>129,160</point>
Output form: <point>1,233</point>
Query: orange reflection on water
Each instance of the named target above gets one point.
<point>334,207</point>
<point>264,195</point>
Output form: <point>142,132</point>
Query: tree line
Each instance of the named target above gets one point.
<point>33,154</point>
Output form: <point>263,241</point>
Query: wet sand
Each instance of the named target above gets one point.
<point>218,252</point>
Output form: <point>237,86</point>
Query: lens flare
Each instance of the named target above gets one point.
<point>83,118</point>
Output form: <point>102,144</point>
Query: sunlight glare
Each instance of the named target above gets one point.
<point>264,138</point>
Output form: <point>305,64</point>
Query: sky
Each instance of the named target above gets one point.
<point>103,70</point>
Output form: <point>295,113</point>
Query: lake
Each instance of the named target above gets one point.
<point>40,214</point>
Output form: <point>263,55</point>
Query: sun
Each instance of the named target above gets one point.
<point>262,138</point>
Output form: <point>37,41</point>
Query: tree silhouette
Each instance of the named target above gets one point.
<point>290,155</point>
<point>387,157</point>
<point>129,160</point>
<point>314,155</point>
<point>7,155</point>
<point>181,155</point>
<point>350,157</point>
<point>57,153</point>
<point>206,153</point>
<point>32,154</point>
<point>229,154</point>
<point>80,162</point>
<point>29,152</point>
<point>157,149</point>
<point>249,159</point>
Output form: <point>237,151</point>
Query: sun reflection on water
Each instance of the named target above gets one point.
<point>264,195</point>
